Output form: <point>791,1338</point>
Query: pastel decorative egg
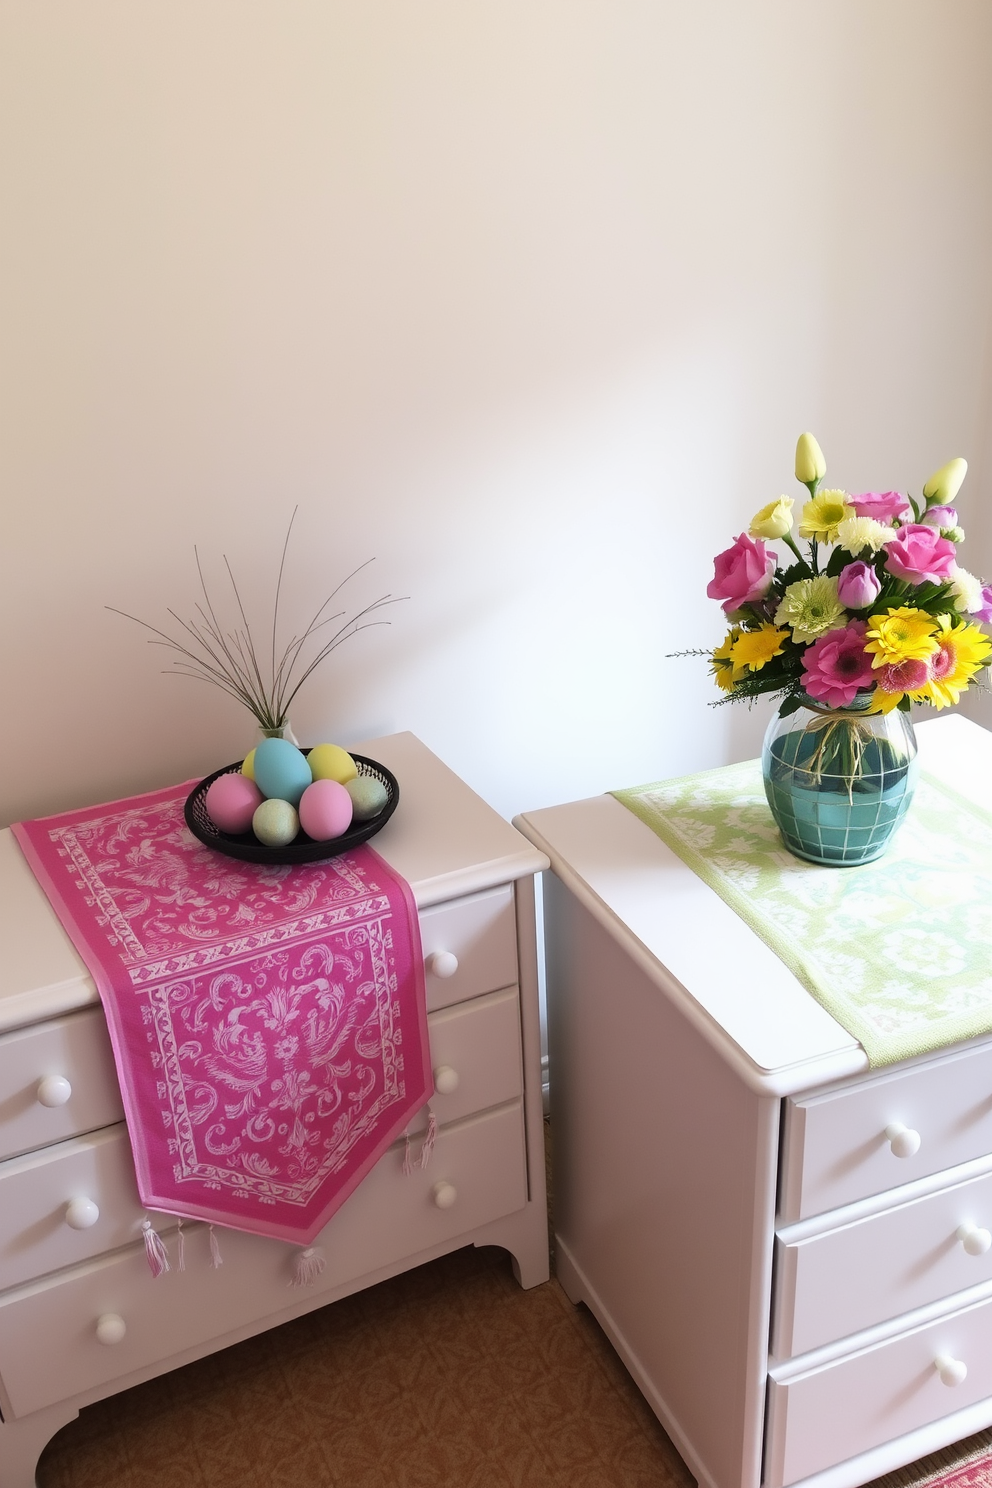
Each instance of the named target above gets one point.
<point>248,765</point>
<point>331,762</point>
<point>231,802</point>
<point>368,796</point>
<point>281,770</point>
<point>325,810</point>
<point>275,822</point>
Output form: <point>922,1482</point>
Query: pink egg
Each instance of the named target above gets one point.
<point>231,802</point>
<point>325,810</point>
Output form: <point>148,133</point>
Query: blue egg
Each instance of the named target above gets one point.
<point>281,770</point>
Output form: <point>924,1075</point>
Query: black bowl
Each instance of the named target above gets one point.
<point>302,849</point>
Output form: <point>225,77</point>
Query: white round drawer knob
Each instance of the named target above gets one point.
<point>80,1214</point>
<point>975,1240</point>
<point>110,1328</point>
<point>444,1194</point>
<point>442,964</point>
<point>445,1079</point>
<point>902,1139</point>
<point>951,1371</point>
<point>54,1090</point>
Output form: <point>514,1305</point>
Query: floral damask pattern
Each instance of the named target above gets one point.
<point>899,951</point>
<point>268,1023</point>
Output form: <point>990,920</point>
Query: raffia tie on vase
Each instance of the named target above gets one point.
<point>841,733</point>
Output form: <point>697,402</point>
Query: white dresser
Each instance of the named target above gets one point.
<point>81,1316</point>
<point>792,1255</point>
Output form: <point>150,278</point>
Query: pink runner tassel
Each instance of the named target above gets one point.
<point>429,1139</point>
<point>181,1249</point>
<point>216,1259</point>
<point>426,1146</point>
<point>155,1251</point>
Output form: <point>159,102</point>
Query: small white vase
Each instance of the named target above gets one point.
<point>285,732</point>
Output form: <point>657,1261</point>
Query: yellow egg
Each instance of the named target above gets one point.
<point>331,762</point>
<point>248,765</point>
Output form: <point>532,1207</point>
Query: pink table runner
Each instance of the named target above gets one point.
<point>269,1024</point>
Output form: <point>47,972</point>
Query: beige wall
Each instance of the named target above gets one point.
<point>527,299</point>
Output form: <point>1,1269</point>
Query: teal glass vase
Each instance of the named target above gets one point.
<point>839,780</point>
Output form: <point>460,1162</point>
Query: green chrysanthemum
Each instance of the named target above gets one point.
<point>810,608</point>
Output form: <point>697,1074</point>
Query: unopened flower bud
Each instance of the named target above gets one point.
<point>945,483</point>
<point>811,467</point>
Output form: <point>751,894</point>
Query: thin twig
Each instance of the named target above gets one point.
<point>229,660</point>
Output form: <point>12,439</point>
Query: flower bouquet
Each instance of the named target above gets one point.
<point>868,613</point>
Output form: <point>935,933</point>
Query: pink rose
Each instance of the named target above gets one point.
<point>741,574</point>
<point>858,586</point>
<point>920,555</point>
<point>837,665</point>
<point>881,506</point>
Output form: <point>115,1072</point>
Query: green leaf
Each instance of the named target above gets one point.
<point>790,705</point>
<point>793,574</point>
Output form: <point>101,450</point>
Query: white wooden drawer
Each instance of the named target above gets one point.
<point>48,1344</point>
<point>835,1149</point>
<point>480,931</point>
<point>855,1275</point>
<point>76,1048</point>
<point>478,1040</point>
<point>479,1043</point>
<point>827,1415</point>
<point>36,1190</point>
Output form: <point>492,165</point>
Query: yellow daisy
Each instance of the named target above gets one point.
<point>823,515</point>
<point>725,672</point>
<point>962,650</point>
<point>753,649</point>
<point>901,635</point>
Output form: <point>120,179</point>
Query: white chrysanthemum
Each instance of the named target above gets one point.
<point>857,533</point>
<point>967,590</point>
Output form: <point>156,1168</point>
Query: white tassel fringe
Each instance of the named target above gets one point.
<point>155,1251</point>
<point>309,1265</point>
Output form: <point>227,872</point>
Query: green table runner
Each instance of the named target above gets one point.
<point>899,951</point>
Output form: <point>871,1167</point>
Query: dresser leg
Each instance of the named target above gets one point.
<point>23,1441</point>
<point>530,1266</point>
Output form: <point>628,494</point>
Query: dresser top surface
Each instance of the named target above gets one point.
<point>698,949</point>
<point>443,839</point>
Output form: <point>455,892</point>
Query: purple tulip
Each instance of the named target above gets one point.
<point>984,614</point>
<point>858,586</point>
<point>940,516</point>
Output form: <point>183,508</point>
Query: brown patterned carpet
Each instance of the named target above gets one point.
<point>449,1376</point>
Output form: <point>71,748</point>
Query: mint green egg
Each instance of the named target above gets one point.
<point>368,796</point>
<point>275,822</point>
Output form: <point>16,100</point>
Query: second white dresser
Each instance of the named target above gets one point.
<point>792,1254</point>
